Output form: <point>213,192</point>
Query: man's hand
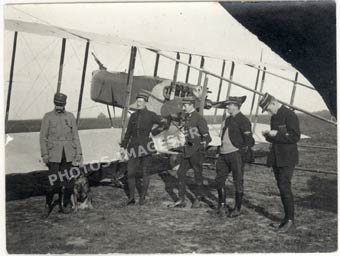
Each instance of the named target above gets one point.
<point>78,160</point>
<point>204,143</point>
<point>265,133</point>
<point>122,152</point>
<point>45,159</point>
<point>271,133</point>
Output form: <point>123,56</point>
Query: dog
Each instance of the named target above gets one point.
<point>81,198</point>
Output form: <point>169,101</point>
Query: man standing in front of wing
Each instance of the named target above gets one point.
<point>283,135</point>
<point>197,139</point>
<point>59,143</point>
<point>139,146</point>
<point>237,140</point>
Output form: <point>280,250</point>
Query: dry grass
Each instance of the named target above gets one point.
<point>111,227</point>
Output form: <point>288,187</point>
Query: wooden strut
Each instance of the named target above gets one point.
<point>188,69</point>
<point>174,80</point>
<point>204,94</point>
<point>246,88</point>
<point>9,93</point>
<point>294,88</point>
<point>254,95</point>
<point>108,111</point>
<point>61,65</point>
<point>317,147</point>
<point>219,89</point>
<point>129,88</point>
<point>155,72</point>
<point>83,81</point>
<point>302,169</point>
<point>230,83</point>
<point>199,80</point>
<point>282,77</point>
<point>258,99</point>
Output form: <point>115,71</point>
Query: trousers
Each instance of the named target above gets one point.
<point>283,176</point>
<point>138,170</point>
<point>194,162</point>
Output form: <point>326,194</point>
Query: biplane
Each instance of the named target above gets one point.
<point>118,90</point>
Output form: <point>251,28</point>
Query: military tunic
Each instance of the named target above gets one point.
<point>284,148</point>
<point>59,141</point>
<point>140,146</point>
<point>283,155</point>
<point>239,132</point>
<point>137,138</point>
<point>196,131</point>
<point>58,134</point>
<point>196,134</point>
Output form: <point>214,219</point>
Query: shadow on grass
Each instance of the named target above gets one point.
<point>323,197</point>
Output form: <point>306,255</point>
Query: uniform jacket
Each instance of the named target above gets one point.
<point>196,131</point>
<point>284,148</point>
<point>239,131</point>
<point>137,138</point>
<point>59,131</point>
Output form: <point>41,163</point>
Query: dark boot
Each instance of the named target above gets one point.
<point>145,187</point>
<point>132,187</point>
<point>179,204</point>
<point>196,204</point>
<point>131,202</point>
<point>238,203</point>
<point>287,227</point>
<point>222,207</point>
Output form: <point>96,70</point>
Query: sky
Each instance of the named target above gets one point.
<point>195,27</point>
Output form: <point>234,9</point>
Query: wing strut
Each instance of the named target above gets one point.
<point>199,81</point>
<point>231,74</point>
<point>188,70</point>
<point>83,80</point>
<point>173,84</point>
<point>204,94</point>
<point>156,65</point>
<point>258,98</point>
<point>254,95</point>
<point>11,77</point>
<point>129,88</point>
<point>294,88</point>
<point>245,87</point>
<point>61,65</point>
<point>220,88</point>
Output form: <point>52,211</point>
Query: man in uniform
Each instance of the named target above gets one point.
<point>197,139</point>
<point>138,144</point>
<point>283,135</point>
<point>237,141</point>
<point>59,144</point>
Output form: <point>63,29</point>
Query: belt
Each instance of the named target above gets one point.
<point>60,139</point>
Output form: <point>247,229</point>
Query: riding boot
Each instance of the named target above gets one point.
<point>238,203</point>
<point>146,182</point>
<point>132,185</point>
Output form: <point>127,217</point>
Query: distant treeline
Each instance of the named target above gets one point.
<point>33,125</point>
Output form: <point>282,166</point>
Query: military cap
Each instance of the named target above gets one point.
<point>59,99</point>
<point>188,100</point>
<point>143,95</point>
<point>231,100</point>
<point>265,101</point>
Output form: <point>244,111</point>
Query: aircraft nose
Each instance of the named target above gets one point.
<point>171,107</point>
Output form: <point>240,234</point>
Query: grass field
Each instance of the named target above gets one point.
<point>155,228</point>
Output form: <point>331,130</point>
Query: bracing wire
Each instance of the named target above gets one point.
<point>75,53</point>
<point>36,79</point>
